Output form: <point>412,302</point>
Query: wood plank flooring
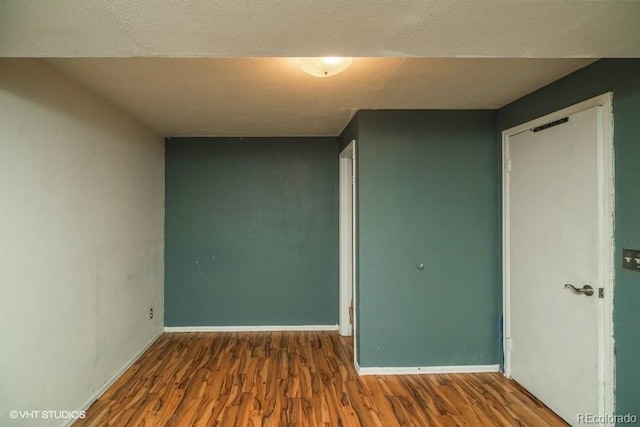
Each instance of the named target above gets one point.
<point>298,379</point>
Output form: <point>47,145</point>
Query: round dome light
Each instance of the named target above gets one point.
<point>324,67</point>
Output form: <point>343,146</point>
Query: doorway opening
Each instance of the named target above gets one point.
<point>347,304</point>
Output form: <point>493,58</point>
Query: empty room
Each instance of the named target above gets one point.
<point>305,213</point>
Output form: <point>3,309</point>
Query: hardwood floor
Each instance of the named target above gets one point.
<point>298,379</point>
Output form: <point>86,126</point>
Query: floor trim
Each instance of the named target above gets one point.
<point>263,328</point>
<point>114,377</point>
<point>410,370</point>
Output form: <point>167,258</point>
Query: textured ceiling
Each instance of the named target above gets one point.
<point>273,97</point>
<point>266,28</point>
<point>225,67</point>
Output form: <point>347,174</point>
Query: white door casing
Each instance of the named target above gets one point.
<point>558,229</point>
<point>347,240</point>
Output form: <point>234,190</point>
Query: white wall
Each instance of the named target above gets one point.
<point>81,240</point>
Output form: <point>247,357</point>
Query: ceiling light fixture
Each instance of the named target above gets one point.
<point>324,67</point>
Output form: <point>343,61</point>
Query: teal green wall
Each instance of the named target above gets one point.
<point>267,210</point>
<point>622,77</point>
<point>350,133</point>
<point>427,194</point>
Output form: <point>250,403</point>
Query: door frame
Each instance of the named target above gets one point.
<point>606,209</point>
<point>348,222</point>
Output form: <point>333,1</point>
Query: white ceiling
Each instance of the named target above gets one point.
<point>273,97</point>
<point>268,28</point>
<point>210,67</point>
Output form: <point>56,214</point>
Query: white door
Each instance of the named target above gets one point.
<point>555,236</point>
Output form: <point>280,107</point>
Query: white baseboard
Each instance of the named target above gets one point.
<point>113,378</point>
<point>263,328</point>
<point>461,369</point>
